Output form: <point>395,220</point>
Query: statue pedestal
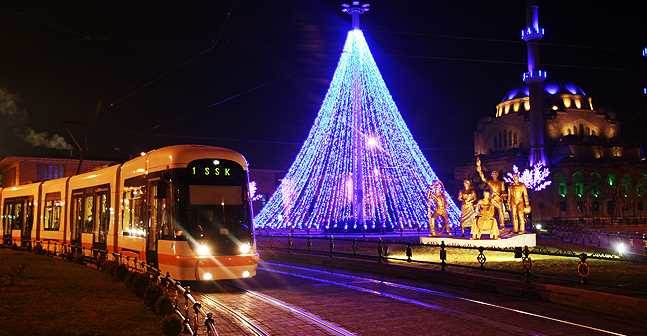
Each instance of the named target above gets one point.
<point>506,241</point>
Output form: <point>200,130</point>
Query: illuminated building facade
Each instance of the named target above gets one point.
<point>594,176</point>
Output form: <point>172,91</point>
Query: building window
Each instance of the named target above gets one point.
<point>53,206</point>
<point>49,171</point>
<point>611,180</point>
<point>626,186</point>
<point>578,184</point>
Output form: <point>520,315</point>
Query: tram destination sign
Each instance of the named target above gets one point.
<point>215,171</point>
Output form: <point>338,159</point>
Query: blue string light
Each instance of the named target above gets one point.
<point>359,168</point>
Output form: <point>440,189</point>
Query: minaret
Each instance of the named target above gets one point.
<point>534,78</point>
<point>355,10</point>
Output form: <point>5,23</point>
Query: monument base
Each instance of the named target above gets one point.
<point>505,241</point>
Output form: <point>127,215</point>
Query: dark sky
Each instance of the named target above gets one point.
<point>187,74</point>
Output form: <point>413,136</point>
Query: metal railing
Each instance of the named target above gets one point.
<point>193,318</point>
<point>382,251</point>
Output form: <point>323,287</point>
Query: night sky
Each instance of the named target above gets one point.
<point>254,80</point>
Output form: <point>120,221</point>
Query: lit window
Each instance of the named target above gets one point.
<point>578,102</point>
<point>555,108</point>
<point>526,105</point>
<point>507,108</point>
<point>515,107</point>
<point>567,101</point>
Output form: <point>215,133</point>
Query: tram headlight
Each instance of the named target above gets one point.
<point>244,248</point>
<point>203,250</point>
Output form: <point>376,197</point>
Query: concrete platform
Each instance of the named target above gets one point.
<point>506,241</point>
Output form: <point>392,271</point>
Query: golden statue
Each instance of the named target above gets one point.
<point>436,196</point>
<point>485,222</point>
<point>498,191</point>
<point>467,197</point>
<point>519,204</point>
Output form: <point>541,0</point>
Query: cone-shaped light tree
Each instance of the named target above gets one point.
<point>360,168</point>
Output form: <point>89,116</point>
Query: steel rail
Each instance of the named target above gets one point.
<point>247,322</point>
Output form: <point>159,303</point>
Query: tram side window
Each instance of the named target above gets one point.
<point>88,215</point>
<point>134,211</point>
<point>52,215</point>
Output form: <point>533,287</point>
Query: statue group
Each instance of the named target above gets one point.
<point>486,215</point>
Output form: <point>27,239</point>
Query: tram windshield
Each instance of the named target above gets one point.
<point>217,210</point>
<point>217,204</point>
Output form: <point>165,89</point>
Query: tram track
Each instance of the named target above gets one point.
<point>419,296</point>
<point>253,325</point>
<point>245,323</point>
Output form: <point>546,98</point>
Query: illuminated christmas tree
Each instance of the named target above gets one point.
<point>360,168</point>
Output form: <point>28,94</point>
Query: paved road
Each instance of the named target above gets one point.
<point>287,299</point>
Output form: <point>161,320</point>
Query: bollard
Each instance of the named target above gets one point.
<point>355,246</point>
<point>443,256</point>
<point>409,252</point>
<point>210,324</point>
<point>380,251</point>
<point>331,246</point>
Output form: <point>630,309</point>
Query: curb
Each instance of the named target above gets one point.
<point>622,306</point>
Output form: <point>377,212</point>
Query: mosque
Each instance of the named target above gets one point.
<point>594,178</point>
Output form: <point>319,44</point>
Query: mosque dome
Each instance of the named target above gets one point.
<point>559,96</point>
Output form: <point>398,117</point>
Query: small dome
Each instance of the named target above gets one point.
<point>551,88</point>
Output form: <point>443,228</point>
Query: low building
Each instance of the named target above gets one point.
<point>18,170</point>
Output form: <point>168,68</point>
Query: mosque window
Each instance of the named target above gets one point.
<point>515,140</point>
<point>591,103</point>
<point>562,189</point>
<point>506,108</point>
<point>578,102</point>
<point>596,181</point>
<point>567,101</point>
<point>578,184</point>
<point>515,107</point>
<point>626,186</point>
<point>611,180</point>
<point>616,151</point>
<point>526,105</point>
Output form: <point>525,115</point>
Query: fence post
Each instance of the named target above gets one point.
<point>443,256</point>
<point>526,262</point>
<point>481,257</point>
<point>583,269</point>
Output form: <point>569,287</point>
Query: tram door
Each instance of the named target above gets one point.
<point>28,223</point>
<point>101,225</point>
<point>77,218</point>
<point>154,211</point>
<point>7,220</point>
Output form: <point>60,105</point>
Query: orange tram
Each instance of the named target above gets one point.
<point>184,209</point>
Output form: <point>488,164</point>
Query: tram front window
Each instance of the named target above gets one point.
<point>218,214</point>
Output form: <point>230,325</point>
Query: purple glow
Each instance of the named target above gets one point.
<point>570,87</point>
<point>360,167</point>
<point>552,88</point>
<point>535,179</point>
